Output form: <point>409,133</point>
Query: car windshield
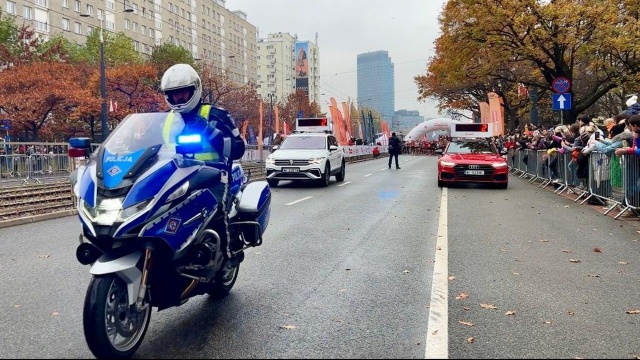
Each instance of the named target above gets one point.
<point>470,147</point>
<point>304,142</point>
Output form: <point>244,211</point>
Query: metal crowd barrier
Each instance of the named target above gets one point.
<point>612,180</point>
<point>35,168</point>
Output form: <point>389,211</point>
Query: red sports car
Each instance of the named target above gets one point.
<point>472,161</point>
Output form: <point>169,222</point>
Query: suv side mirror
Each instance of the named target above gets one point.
<point>333,148</point>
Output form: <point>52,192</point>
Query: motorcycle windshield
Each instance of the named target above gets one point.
<point>137,132</point>
<point>133,136</point>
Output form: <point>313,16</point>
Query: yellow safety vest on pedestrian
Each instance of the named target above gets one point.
<point>208,153</point>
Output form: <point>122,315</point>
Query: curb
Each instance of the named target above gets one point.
<point>37,218</point>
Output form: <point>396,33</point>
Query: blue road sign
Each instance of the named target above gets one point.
<point>561,101</point>
<point>5,124</point>
<point>300,114</point>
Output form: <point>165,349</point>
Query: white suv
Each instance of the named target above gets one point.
<point>306,156</point>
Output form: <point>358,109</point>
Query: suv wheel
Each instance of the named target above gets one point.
<point>326,176</point>
<point>340,175</point>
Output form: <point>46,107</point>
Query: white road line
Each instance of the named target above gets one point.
<point>300,200</point>
<point>438,327</point>
<point>368,175</point>
<point>345,183</point>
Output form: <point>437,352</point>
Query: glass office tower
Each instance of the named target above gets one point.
<point>376,88</point>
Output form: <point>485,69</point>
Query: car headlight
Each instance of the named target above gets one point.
<point>316,160</point>
<point>447,163</point>
<point>499,165</point>
<point>270,161</point>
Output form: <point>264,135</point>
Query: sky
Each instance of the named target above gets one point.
<point>407,29</point>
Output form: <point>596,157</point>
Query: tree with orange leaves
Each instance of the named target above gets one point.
<point>298,102</point>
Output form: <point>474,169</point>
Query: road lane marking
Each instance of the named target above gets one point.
<point>438,327</point>
<point>300,200</point>
<point>368,175</point>
<point>345,183</point>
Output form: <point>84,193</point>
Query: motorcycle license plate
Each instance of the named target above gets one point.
<point>474,172</point>
<point>290,169</point>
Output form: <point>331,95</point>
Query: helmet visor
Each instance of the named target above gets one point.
<point>180,96</point>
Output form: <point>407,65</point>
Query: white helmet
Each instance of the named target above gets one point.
<point>177,78</point>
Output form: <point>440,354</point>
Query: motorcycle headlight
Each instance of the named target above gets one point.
<point>109,211</point>
<point>316,160</point>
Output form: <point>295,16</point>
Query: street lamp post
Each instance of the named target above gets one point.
<point>103,79</point>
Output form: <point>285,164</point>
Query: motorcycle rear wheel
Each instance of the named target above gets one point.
<point>112,328</point>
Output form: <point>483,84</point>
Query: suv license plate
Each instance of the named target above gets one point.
<point>474,172</point>
<point>290,169</point>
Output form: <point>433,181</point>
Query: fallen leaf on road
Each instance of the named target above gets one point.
<point>516,273</point>
<point>543,240</point>
<point>566,206</point>
<point>462,296</point>
<point>342,290</point>
<point>548,322</point>
<point>633,311</point>
<point>288,327</point>
<point>503,250</point>
<point>465,323</point>
<point>597,249</point>
<point>488,306</point>
<point>566,251</point>
<point>44,256</point>
<point>571,313</point>
<point>435,332</point>
<point>594,275</point>
<point>452,278</point>
<point>510,313</point>
<point>623,262</point>
<point>406,271</point>
<point>347,269</point>
<point>55,313</point>
<point>470,340</point>
<point>575,260</point>
<point>16,306</point>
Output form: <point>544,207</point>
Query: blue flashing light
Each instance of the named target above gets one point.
<point>189,139</point>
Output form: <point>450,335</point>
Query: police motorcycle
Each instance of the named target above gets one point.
<point>153,228</point>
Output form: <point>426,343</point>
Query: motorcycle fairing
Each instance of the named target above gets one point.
<point>181,223</point>
<point>113,167</point>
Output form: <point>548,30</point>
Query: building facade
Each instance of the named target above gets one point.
<point>224,39</point>
<point>404,120</point>
<point>375,77</point>
<point>275,66</point>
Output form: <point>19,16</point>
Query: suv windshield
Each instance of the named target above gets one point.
<point>304,142</point>
<point>470,147</point>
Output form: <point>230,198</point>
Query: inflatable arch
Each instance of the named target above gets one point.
<point>429,126</point>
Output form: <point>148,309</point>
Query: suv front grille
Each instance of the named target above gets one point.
<point>292,162</point>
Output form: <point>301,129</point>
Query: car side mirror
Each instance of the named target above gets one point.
<point>274,148</point>
<point>439,151</point>
<point>333,148</point>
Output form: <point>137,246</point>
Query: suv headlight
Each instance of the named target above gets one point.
<point>270,161</point>
<point>317,160</point>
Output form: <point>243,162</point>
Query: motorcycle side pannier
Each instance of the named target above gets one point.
<point>254,211</point>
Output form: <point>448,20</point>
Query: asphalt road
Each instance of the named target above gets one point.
<point>372,267</point>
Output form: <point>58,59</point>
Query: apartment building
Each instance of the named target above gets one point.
<point>220,37</point>
<point>285,65</point>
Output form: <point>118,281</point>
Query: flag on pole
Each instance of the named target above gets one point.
<point>275,109</point>
<point>110,105</point>
<point>285,128</point>
<point>260,128</point>
<point>115,105</point>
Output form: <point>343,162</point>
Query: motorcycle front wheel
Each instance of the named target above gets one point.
<point>112,328</point>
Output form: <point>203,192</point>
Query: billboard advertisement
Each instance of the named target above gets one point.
<point>302,66</point>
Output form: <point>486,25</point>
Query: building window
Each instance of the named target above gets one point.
<point>65,4</point>
<point>11,8</point>
<point>89,10</point>
<point>65,24</point>
<point>26,13</point>
<point>42,26</point>
<point>126,24</point>
<point>78,28</point>
<point>42,3</point>
<point>76,5</point>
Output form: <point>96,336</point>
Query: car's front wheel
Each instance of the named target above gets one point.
<point>326,177</point>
